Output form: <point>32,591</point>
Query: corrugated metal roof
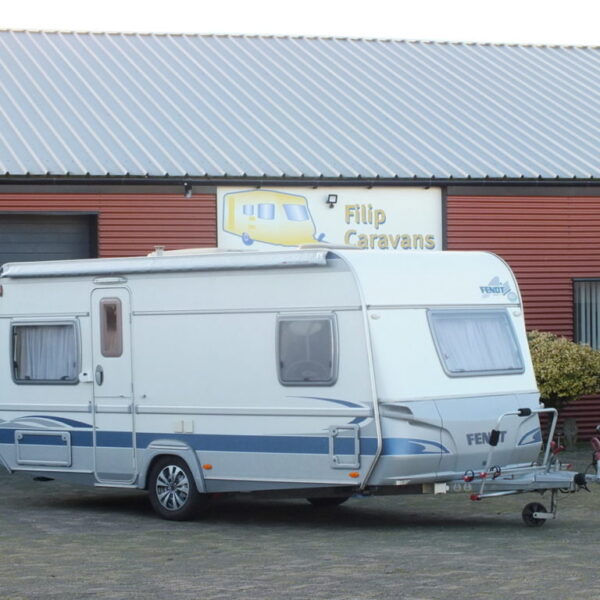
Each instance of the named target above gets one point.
<point>78,104</point>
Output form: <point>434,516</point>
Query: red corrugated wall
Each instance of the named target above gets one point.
<point>132,224</point>
<point>547,241</point>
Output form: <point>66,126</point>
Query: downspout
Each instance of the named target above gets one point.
<point>373,384</point>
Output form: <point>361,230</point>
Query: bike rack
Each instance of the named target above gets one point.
<point>488,471</point>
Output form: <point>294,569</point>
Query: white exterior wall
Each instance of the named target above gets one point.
<point>228,361</point>
<point>408,368</point>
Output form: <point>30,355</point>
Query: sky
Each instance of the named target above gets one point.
<point>563,22</point>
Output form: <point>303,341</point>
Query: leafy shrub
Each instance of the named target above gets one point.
<point>564,370</point>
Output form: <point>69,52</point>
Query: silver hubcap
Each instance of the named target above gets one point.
<point>172,487</point>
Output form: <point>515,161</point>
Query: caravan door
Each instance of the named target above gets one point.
<point>114,436</point>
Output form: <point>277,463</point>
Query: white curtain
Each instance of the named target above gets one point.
<point>46,352</point>
<point>474,343</point>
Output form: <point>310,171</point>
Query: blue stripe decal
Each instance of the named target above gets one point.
<point>404,446</point>
<point>298,444</point>
<point>334,400</point>
<point>82,438</point>
<point>114,439</point>
<point>243,443</point>
<point>531,437</point>
<point>285,444</point>
<point>246,443</point>
<point>69,422</point>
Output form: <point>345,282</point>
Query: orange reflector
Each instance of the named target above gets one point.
<point>354,474</point>
<point>207,467</point>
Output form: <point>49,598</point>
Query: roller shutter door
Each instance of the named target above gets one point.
<point>46,237</point>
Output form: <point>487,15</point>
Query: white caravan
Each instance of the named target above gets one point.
<point>317,372</point>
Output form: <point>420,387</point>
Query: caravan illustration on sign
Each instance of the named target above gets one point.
<point>270,217</point>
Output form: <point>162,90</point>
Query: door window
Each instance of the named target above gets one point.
<point>111,327</point>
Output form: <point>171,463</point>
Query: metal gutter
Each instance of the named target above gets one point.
<point>297,181</point>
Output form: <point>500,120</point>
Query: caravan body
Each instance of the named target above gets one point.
<point>313,371</point>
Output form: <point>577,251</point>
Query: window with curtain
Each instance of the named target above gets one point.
<point>587,312</point>
<point>476,342</point>
<point>45,353</point>
<point>306,351</point>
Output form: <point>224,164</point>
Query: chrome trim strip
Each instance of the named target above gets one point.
<point>444,306</point>
<point>236,311</point>
<point>383,401</point>
<point>80,408</point>
<point>51,469</point>
<point>128,486</point>
<point>108,408</point>
<point>71,315</point>
<point>349,483</point>
<point>250,411</point>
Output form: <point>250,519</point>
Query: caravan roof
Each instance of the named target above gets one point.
<point>388,278</point>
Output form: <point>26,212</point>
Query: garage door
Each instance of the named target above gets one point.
<point>46,237</point>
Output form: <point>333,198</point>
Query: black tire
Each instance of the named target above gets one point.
<point>328,501</point>
<point>528,517</point>
<point>172,490</point>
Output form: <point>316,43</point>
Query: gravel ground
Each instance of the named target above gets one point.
<point>62,542</point>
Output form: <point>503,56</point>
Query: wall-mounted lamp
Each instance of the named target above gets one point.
<point>187,190</point>
<point>331,200</point>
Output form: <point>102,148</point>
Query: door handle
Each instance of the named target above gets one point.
<point>99,375</point>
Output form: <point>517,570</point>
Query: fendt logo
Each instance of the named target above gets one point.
<point>496,288</point>
<point>481,437</point>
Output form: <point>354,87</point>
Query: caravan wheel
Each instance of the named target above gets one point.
<point>173,493</point>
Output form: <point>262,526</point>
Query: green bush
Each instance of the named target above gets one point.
<point>564,370</point>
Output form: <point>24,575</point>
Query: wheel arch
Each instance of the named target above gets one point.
<point>164,448</point>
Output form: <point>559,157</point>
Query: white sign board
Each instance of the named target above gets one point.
<point>376,219</point>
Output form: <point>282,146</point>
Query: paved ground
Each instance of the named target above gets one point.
<point>59,542</point>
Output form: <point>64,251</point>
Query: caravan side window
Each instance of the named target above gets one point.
<point>475,342</point>
<point>45,353</point>
<point>307,350</point>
